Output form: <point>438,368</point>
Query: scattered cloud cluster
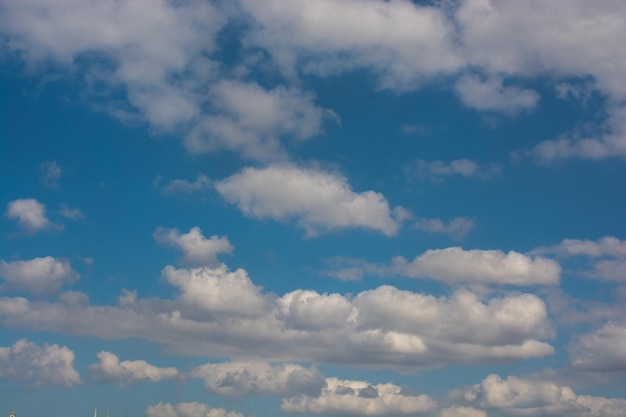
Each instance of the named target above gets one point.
<point>38,365</point>
<point>258,378</point>
<point>521,397</point>
<point>359,398</point>
<point>223,314</point>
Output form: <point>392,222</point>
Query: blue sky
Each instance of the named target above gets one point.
<point>336,208</point>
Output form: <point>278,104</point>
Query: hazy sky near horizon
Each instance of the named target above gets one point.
<point>313,207</point>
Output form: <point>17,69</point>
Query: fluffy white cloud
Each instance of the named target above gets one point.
<point>455,265</point>
<point>195,247</point>
<point>359,398</point>
<point>319,201</point>
<point>438,171</point>
<point>223,314</point>
<point>218,291</point>
<point>257,378</point>
<point>191,409</point>
<point>29,213</point>
<point>250,119</point>
<point>400,41</point>
<point>50,174</point>
<point>520,397</point>
<point>39,365</point>
<point>601,351</point>
<point>38,276</point>
<point>457,228</point>
<point>111,370</point>
<point>491,95</point>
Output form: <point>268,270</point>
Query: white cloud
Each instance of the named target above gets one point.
<point>191,409</point>
<point>50,174</point>
<point>201,184</point>
<point>223,314</point>
<point>195,247</point>
<point>147,42</point>
<point>606,141</point>
<point>218,291</point>
<point>454,265</point>
<point>440,170</point>
<point>38,365</point>
<point>359,398</point>
<point>250,119</point>
<point>603,350</point>
<point>521,397</point>
<point>457,227</point>
<point>606,246</point>
<point>256,378</point>
<point>38,276</point>
<point>401,42</point>
<point>458,411</point>
<point>74,214</point>
<point>29,213</point>
<point>109,369</point>
<point>492,95</point>
<point>610,251</point>
<point>319,201</point>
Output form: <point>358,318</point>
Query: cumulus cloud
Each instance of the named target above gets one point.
<point>50,174</point>
<point>109,369</point>
<point>29,213</point>
<point>191,409</point>
<point>195,247</point>
<point>603,350</point>
<point>522,397</point>
<point>359,398</point>
<point>492,95</point>
<point>38,276</point>
<point>457,228</point>
<point>257,378</point>
<point>223,314</point>
<point>403,43</point>
<point>181,186</point>
<point>455,265</point>
<point>608,253</point>
<point>607,140</point>
<point>38,365</point>
<point>250,119</point>
<point>319,201</point>
<point>438,170</point>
